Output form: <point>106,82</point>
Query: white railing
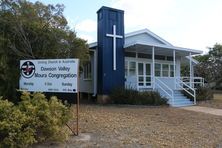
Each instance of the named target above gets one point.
<point>188,89</point>
<point>158,82</point>
<point>193,81</point>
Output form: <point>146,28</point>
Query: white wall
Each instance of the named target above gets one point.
<point>144,37</point>
<point>87,85</point>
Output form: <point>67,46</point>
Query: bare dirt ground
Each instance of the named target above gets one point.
<point>141,126</point>
<point>215,103</point>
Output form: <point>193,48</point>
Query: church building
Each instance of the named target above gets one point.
<point>140,60</point>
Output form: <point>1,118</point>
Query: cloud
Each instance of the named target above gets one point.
<point>87,25</point>
<point>87,37</point>
<point>192,24</point>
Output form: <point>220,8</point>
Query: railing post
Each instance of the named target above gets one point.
<point>195,101</point>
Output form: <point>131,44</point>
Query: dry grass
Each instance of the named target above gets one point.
<point>137,126</point>
<point>215,103</point>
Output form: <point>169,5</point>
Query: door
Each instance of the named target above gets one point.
<point>144,74</point>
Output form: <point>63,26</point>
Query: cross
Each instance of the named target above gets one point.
<point>114,36</point>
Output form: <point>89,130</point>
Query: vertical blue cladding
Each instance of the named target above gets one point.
<point>107,77</point>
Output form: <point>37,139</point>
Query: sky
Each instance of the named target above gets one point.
<point>194,24</point>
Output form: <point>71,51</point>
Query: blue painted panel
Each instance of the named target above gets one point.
<point>107,77</point>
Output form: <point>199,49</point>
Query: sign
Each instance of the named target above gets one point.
<point>50,75</point>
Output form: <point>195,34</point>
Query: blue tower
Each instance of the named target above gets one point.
<point>110,37</point>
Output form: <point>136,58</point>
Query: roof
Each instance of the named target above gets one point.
<point>138,41</point>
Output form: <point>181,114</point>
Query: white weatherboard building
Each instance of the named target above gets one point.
<point>140,60</point>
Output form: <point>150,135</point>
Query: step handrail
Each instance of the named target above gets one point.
<point>172,93</point>
<point>189,87</point>
<point>192,80</point>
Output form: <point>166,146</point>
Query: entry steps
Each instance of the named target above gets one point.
<point>180,100</point>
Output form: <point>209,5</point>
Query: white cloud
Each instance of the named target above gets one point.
<point>87,25</point>
<point>87,37</point>
<point>192,24</point>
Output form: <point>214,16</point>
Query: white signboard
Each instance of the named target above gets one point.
<point>50,75</point>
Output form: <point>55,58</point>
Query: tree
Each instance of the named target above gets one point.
<point>210,66</point>
<point>33,30</point>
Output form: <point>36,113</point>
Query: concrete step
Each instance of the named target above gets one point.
<point>181,105</point>
<point>179,99</point>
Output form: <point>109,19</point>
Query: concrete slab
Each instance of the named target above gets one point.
<point>206,110</point>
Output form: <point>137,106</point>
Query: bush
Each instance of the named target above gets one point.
<point>34,119</point>
<point>15,130</point>
<point>204,93</point>
<point>134,97</point>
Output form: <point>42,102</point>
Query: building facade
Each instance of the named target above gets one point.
<point>140,60</point>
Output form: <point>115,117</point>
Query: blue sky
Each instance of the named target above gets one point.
<point>193,24</point>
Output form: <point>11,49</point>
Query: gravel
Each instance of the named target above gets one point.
<point>141,126</point>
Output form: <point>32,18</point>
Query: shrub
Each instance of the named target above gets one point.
<point>15,130</point>
<point>34,119</point>
<point>204,93</point>
<point>134,97</point>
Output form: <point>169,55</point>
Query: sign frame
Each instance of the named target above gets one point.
<point>77,92</point>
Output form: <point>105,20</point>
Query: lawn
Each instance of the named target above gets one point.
<point>141,126</point>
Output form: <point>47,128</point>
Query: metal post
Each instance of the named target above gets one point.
<point>77,116</point>
<point>190,69</point>
<point>153,69</point>
<point>174,68</point>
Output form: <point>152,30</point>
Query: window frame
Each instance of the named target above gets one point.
<point>87,71</point>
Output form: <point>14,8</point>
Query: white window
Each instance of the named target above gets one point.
<point>157,70</point>
<point>126,68</point>
<point>132,68</point>
<point>171,70</point>
<point>87,71</point>
<point>165,70</point>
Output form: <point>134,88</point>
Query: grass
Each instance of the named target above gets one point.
<point>142,126</point>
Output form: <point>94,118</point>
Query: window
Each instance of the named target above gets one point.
<point>165,70</point>
<point>171,70</point>
<point>132,68</point>
<point>159,57</point>
<point>143,55</point>
<point>87,72</point>
<point>126,68</point>
<point>157,70</point>
<point>130,54</point>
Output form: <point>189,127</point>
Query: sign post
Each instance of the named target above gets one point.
<point>51,75</point>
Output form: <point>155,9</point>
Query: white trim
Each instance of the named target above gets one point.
<point>174,67</point>
<point>193,51</point>
<point>190,68</point>
<point>153,67</point>
<point>192,59</point>
<point>93,44</point>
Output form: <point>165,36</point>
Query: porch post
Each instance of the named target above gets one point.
<point>190,68</point>
<point>153,67</point>
<point>174,68</point>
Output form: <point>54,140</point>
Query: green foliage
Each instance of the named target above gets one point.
<point>34,119</point>
<point>210,66</point>
<point>33,31</point>
<point>131,96</point>
<point>15,130</point>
